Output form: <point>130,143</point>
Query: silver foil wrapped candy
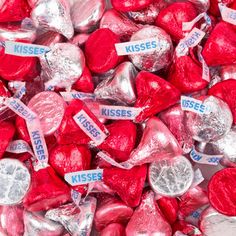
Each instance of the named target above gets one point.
<point>212,223</point>
<point>14,181</point>
<point>63,65</point>
<point>77,221</point>
<point>53,15</point>
<point>158,59</point>
<point>37,225</point>
<point>212,125</point>
<point>85,14</point>
<point>171,176</point>
<point>121,86</point>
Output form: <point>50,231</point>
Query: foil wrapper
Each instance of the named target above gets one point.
<point>223,146</point>
<point>49,38</point>
<point>14,31</point>
<point>14,181</point>
<point>119,24</point>
<point>121,86</point>
<point>113,229</point>
<point>228,72</point>
<point>77,221</point>
<point>157,142</point>
<point>11,220</point>
<point>53,15</point>
<point>211,125</point>
<point>147,219</point>
<point>148,15</point>
<point>173,118</point>
<point>213,223</point>
<point>37,225</point>
<point>85,14</point>
<point>155,60</point>
<point>63,65</point>
<point>171,176</point>
<point>110,211</point>
<point>50,108</point>
<point>80,39</point>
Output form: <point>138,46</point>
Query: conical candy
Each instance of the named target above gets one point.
<point>154,94</point>
<point>47,190</point>
<point>53,15</point>
<point>128,184</point>
<point>111,210</point>
<point>186,75</point>
<point>157,142</point>
<point>120,87</point>
<point>147,219</point>
<point>121,140</point>
<point>130,5</point>
<point>220,48</point>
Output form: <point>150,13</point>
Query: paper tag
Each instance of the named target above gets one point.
<point>19,146</point>
<point>20,108</point>
<point>83,177</point>
<point>198,178</point>
<point>204,158</point>
<point>69,96</point>
<point>186,26</point>
<point>20,92</point>
<point>190,41</point>
<point>118,112</point>
<point>89,127</point>
<point>108,159</point>
<point>194,105</point>
<point>25,49</point>
<point>34,128</point>
<point>136,47</point>
<point>37,139</point>
<point>205,68</point>
<point>228,14</point>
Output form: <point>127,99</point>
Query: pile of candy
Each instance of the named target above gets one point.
<point>117,118</point>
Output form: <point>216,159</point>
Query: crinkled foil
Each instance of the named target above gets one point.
<point>37,225</point>
<point>78,221</point>
<point>213,223</point>
<point>148,15</point>
<point>50,108</point>
<point>63,65</point>
<point>201,5</point>
<point>14,32</point>
<point>155,60</point>
<point>53,15</point>
<point>224,146</point>
<point>171,176</point>
<point>121,86</point>
<point>212,125</point>
<point>14,181</point>
<point>85,14</point>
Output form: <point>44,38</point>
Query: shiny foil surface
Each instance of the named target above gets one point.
<point>63,65</point>
<point>171,176</point>
<point>53,15</point>
<point>36,225</point>
<point>50,108</point>
<point>158,59</point>
<point>212,125</point>
<point>215,224</point>
<point>85,14</point>
<point>121,87</point>
<point>14,181</point>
